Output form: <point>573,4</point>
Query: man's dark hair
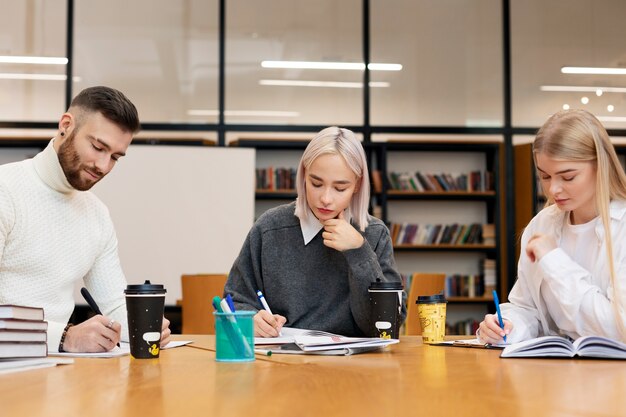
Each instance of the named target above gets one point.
<point>113,105</point>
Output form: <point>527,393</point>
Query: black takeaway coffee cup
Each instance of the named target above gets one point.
<point>144,305</point>
<point>385,305</point>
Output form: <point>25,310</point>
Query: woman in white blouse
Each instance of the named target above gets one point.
<point>571,272</point>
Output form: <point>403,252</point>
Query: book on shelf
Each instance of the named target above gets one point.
<point>458,285</point>
<point>489,275</point>
<point>302,341</point>
<point>559,347</point>
<point>475,181</point>
<point>8,311</point>
<point>272,178</point>
<point>489,234</point>
<point>436,234</point>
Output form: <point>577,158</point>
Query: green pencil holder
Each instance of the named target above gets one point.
<point>234,336</point>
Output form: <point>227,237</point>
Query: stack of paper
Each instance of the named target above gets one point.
<point>8,366</point>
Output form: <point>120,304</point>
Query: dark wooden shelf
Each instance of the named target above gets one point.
<point>446,248</point>
<point>440,195</point>
<point>276,194</point>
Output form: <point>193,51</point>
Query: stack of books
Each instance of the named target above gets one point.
<point>22,332</point>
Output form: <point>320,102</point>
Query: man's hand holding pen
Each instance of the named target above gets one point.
<point>97,334</point>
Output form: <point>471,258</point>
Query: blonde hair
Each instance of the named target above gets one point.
<point>576,135</point>
<point>337,141</point>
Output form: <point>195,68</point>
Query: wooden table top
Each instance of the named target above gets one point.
<point>408,378</point>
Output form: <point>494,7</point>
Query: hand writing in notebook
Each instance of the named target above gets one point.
<point>491,332</point>
<point>267,324</point>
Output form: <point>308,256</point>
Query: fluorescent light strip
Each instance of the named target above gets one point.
<point>582,88</point>
<point>244,113</point>
<point>37,77</point>
<point>332,84</point>
<point>330,65</point>
<point>45,60</point>
<point>619,119</point>
<point>593,70</point>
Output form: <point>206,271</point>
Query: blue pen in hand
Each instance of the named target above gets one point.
<point>266,307</point>
<point>497,301</point>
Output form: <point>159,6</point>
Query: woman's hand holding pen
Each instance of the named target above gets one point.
<point>539,245</point>
<point>490,330</point>
<point>268,325</point>
<point>340,235</point>
<point>98,334</point>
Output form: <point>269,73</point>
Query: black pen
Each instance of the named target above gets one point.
<point>91,302</point>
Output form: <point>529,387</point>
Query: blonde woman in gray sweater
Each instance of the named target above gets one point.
<point>315,258</point>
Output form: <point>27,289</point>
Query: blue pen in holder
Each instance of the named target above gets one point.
<point>234,336</point>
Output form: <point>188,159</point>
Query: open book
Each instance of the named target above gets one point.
<point>301,341</point>
<point>559,347</point>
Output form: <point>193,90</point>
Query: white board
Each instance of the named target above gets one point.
<point>179,210</point>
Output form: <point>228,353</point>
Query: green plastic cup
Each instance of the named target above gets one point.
<point>234,336</point>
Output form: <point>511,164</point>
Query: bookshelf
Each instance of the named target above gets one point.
<point>277,154</point>
<point>460,205</point>
<point>274,154</point>
<point>472,207</point>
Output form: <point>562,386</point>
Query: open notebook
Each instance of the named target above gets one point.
<point>560,347</point>
<point>302,341</point>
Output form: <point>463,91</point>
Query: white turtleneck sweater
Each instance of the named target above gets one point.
<point>51,236</point>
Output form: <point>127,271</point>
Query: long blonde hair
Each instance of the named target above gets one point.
<point>576,135</point>
<point>338,141</point>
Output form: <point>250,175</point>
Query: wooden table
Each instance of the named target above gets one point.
<point>407,379</point>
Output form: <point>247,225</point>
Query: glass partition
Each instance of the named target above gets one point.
<point>451,57</point>
<point>556,48</point>
<point>32,60</point>
<point>277,54</point>
<point>163,54</point>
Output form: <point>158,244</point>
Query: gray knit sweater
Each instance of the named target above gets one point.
<point>313,286</point>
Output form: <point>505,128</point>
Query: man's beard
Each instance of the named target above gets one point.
<point>72,165</point>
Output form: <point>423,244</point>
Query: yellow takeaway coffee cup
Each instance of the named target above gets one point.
<point>432,314</point>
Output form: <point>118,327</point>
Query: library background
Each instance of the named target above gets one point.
<point>445,95</point>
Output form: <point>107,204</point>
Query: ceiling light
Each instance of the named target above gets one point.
<point>582,89</point>
<point>619,119</point>
<point>565,106</point>
<point>598,92</point>
<point>37,77</point>
<point>584,100</point>
<point>593,70</point>
<point>45,60</point>
<point>610,108</point>
<point>330,65</point>
<point>244,113</point>
<point>332,84</point>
